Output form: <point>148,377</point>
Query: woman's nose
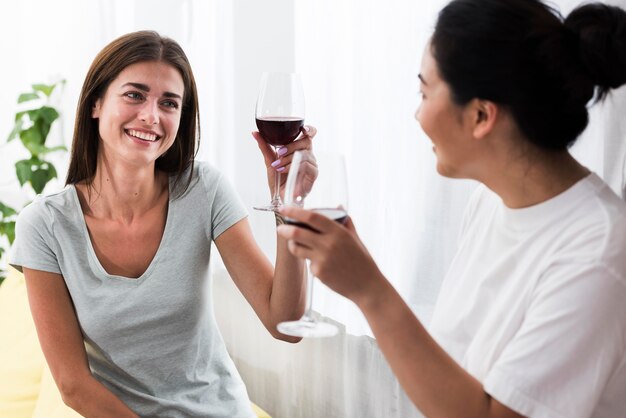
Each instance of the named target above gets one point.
<point>150,112</point>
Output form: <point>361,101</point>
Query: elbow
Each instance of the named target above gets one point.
<point>70,390</point>
<point>286,338</point>
<point>282,337</point>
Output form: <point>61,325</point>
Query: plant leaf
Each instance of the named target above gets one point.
<point>40,177</point>
<point>32,139</point>
<point>25,97</point>
<point>44,128</point>
<point>46,150</point>
<point>49,114</point>
<point>7,211</point>
<point>10,231</point>
<point>8,228</point>
<point>20,115</point>
<point>52,171</point>
<point>16,130</point>
<point>23,171</point>
<point>44,88</point>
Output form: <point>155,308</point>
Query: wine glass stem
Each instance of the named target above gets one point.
<point>276,198</point>
<point>308,308</point>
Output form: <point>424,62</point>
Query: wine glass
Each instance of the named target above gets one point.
<point>279,117</point>
<point>327,195</point>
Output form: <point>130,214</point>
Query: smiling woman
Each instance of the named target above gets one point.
<point>142,103</point>
<point>530,320</point>
<point>116,265</point>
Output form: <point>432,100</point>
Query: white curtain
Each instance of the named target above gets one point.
<point>359,61</point>
<point>46,41</point>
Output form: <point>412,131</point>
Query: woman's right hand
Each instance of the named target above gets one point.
<point>338,257</point>
<point>282,162</point>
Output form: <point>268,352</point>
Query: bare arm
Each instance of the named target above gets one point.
<point>436,384</point>
<point>275,294</point>
<point>64,350</point>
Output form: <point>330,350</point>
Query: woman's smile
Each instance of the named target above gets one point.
<point>145,136</point>
<point>140,112</point>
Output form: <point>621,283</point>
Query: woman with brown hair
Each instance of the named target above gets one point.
<point>116,264</point>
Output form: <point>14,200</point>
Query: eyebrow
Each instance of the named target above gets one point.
<point>146,88</point>
<point>422,79</point>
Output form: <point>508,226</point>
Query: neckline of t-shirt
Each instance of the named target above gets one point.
<point>539,214</point>
<point>95,261</point>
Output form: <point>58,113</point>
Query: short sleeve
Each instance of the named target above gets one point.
<point>226,206</point>
<point>572,340</point>
<point>33,245</point>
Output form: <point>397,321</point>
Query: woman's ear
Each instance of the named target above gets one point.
<point>484,115</point>
<point>95,109</point>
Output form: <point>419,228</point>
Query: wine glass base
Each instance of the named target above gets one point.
<point>268,208</point>
<point>307,329</point>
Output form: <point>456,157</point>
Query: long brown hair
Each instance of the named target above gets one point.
<point>126,50</point>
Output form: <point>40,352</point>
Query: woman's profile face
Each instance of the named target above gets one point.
<point>139,114</point>
<point>442,120</point>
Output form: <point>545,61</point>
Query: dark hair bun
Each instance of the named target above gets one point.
<point>601,32</point>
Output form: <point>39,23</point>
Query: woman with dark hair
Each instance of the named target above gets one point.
<point>531,317</point>
<point>116,264</point>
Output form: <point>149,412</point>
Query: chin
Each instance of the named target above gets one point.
<point>449,172</point>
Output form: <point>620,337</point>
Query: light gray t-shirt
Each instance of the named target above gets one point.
<point>153,340</point>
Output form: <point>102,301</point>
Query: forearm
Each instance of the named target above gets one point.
<point>436,384</point>
<point>91,398</point>
<point>288,296</point>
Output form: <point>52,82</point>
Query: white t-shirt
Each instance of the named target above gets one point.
<point>534,304</point>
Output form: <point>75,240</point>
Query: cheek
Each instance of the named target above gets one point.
<point>173,124</point>
<point>174,127</point>
<point>425,118</point>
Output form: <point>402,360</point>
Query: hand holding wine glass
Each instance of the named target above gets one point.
<point>280,118</point>
<point>323,192</point>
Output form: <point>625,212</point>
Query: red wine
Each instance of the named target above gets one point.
<point>279,130</point>
<point>337,215</point>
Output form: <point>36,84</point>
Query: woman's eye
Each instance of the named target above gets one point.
<point>134,95</point>
<point>170,103</point>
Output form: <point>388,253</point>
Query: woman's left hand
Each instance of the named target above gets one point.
<point>280,163</point>
<point>338,257</point>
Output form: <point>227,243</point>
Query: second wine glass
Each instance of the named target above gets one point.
<point>318,185</point>
<point>279,117</point>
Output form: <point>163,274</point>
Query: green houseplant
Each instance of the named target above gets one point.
<point>32,127</point>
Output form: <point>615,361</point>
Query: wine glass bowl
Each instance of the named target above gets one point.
<point>279,130</point>
<point>318,185</point>
<point>279,116</point>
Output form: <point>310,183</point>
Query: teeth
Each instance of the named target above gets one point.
<point>142,135</point>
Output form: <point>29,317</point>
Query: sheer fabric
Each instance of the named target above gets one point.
<point>359,61</point>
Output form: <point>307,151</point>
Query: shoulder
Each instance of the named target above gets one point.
<point>44,209</point>
<point>198,178</point>
<point>607,225</point>
<point>592,231</point>
<point>482,202</point>
<point>206,171</point>
<point>213,181</point>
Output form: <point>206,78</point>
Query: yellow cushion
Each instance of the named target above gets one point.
<point>21,359</point>
<point>49,403</point>
<point>259,412</point>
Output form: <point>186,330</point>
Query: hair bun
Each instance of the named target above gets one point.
<point>601,34</point>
